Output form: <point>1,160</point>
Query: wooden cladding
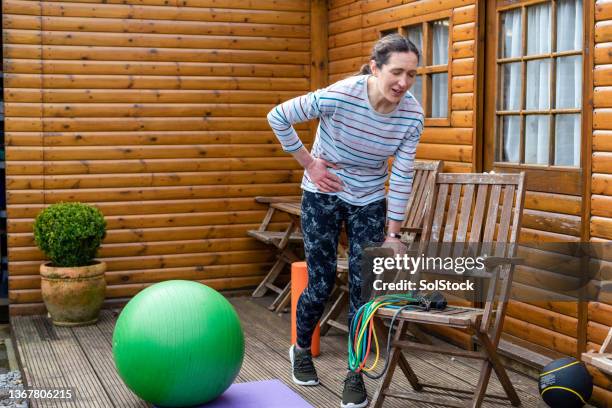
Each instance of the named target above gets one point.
<point>602,123</point>
<point>154,111</point>
<point>600,200</point>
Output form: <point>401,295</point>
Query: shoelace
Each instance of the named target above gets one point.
<point>304,364</point>
<point>354,383</point>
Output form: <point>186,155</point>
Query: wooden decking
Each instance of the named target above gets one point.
<point>80,358</point>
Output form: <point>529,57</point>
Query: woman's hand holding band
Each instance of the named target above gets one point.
<point>399,248</point>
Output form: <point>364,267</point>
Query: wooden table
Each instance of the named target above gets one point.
<point>603,358</point>
<point>286,243</point>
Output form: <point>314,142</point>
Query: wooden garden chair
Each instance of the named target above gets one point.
<point>424,177</point>
<point>284,242</point>
<point>602,359</point>
<point>484,211</point>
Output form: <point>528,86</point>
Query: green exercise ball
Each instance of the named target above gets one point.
<point>178,343</point>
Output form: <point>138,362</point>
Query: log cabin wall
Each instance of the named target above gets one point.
<point>155,112</point>
<point>600,313</point>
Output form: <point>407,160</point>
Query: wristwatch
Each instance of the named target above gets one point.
<point>394,235</point>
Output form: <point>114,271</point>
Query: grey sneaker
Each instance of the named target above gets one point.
<point>302,368</point>
<point>354,394</point>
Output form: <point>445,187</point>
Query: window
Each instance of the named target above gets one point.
<point>539,77</point>
<point>431,86</point>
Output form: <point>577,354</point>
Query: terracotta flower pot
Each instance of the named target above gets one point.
<point>73,295</point>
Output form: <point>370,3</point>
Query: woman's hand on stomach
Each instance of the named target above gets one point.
<point>326,181</point>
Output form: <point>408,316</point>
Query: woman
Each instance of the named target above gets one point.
<point>363,120</point>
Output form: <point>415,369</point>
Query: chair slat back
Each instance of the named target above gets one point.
<point>425,173</point>
<point>492,217</point>
<point>478,213</point>
<point>424,178</point>
<point>482,212</point>
<point>464,216</point>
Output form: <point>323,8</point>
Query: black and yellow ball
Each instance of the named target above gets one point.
<point>565,383</point>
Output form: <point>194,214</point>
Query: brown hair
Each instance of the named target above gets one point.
<point>382,50</point>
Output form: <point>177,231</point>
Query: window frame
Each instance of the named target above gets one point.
<point>540,177</point>
<point>427,70</point>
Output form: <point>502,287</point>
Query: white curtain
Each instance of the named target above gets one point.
<point>538,29</point>
<point>538,76</point>
<point>569,82</point>
<point>567,140</point>
<point>569,25</point>
<point>439,82</point>
<point>440,42</point>
<point>415,34</point>
<point>439,95</point>
<point>511,21</point>
<point>537,127</point>
<point>511,80</point>
<point>512,84</point>
<point>537,130</point>
<point>417,89</point>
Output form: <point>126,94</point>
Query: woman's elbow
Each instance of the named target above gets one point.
<point>276,120</point>
<point>270,117</point>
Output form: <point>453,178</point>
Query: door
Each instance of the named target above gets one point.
<point>534,119</point>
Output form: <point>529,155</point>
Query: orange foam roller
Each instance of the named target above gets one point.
<point>299,281</point>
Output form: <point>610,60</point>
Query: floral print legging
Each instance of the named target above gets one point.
<point>322,218</point>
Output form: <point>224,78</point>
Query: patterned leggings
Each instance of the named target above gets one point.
<point>322,217</point>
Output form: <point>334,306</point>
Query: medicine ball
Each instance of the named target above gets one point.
<point>565,383</point>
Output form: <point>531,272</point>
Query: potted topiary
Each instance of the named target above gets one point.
<point>72,284</point>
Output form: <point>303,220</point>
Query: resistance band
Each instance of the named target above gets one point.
<point>359,347</point>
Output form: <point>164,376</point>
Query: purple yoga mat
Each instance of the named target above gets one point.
<point>258,394</point>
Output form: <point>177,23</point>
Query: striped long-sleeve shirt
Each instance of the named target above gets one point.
<point>358,139</point>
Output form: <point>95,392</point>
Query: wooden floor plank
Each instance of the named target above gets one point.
<point>41,372</point>
<point>262,358</point>
<point>75,367</point>
<point>100,355</point>
<point>469,371</point>
<point>106,324</point>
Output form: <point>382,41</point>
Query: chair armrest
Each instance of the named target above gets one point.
<point>411,229</point>
<point>493,261</point>
<point>269,200</point>
<point>379,252</point>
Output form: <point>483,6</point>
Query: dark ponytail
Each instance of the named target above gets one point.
<point>382,50</point>
<point>364,70</point>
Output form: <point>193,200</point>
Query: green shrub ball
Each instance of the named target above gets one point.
<point>70,233</point>
<point>178,343</point>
